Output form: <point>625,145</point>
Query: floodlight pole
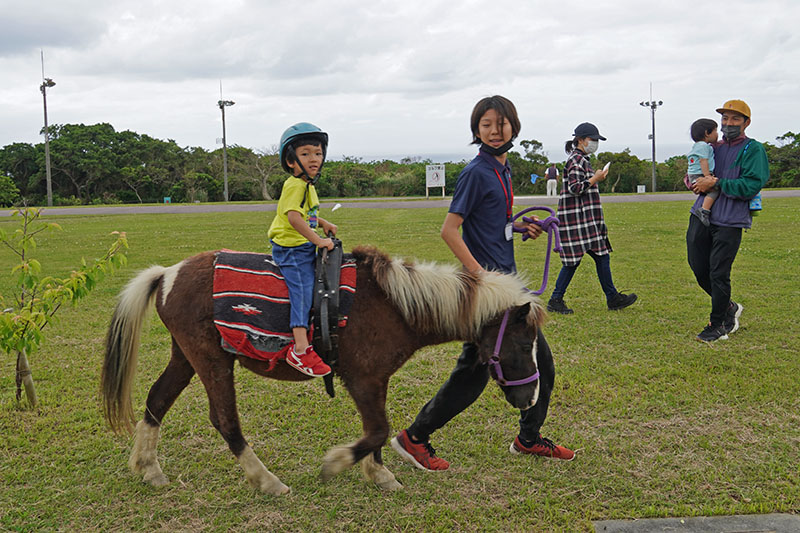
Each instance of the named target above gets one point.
<point>47,82</point>
<point>653,105</point>
<point>222,105</point>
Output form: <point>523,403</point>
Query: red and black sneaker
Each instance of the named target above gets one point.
<point>542,447</point>
<point>422,455</point>
<point>308,362</point>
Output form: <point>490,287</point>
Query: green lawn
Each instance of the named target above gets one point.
<point>663,425</point>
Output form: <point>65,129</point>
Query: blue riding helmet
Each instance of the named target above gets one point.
<point>293,133</point>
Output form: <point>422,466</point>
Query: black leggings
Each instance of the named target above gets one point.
<point>466,383</point>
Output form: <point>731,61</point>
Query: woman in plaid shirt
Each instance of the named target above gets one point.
<point>582,228</point>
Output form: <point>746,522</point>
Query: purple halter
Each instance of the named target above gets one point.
<point>494,361</point>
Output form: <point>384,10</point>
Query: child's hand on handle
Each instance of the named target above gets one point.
<point>325,243</point>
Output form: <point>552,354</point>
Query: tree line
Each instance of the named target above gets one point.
<point>96,164</point>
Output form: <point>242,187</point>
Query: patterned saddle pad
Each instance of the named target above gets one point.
<point>251,303</point>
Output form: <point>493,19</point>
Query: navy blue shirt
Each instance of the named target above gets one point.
<point>483,203</point>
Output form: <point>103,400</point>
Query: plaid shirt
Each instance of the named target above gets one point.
<point>582,227</point>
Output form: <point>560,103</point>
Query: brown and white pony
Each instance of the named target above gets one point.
<point>398,308</point>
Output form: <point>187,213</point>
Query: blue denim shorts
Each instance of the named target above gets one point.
<point>297,265</point>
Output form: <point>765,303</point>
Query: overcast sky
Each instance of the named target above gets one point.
<point>392,78</point>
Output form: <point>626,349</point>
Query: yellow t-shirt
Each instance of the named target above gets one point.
<point>292,194</point>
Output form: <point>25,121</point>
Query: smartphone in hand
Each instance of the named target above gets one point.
<point>606,166</point>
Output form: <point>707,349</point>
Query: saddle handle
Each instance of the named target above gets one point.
<point>325,250</point>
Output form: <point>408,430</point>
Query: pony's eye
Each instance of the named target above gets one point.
<point>527,346</point>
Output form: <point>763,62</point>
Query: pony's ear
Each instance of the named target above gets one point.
<point>521,312</point>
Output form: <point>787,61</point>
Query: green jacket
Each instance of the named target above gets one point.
<point>742,169</point>
<point>754,172</point>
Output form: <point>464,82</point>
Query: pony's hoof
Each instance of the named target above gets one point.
<point>336,460</point>
<point>391,484</point>
<point>327,473</point>
<point>270,484</point>
<point>276,489</point>
<point>157,480</point>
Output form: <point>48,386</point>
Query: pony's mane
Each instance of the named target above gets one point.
<point>436,297</point>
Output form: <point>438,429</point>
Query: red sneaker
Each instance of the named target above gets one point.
<point>421,455</point>
<point>544,448</point>
<point>308,362</point>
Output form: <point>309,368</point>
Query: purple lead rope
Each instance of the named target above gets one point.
<point>550,225</point>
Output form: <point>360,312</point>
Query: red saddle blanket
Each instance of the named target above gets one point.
<point>251,303</point>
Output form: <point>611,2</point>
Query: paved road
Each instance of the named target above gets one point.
<point>395,203</point>
<point>767,523</point>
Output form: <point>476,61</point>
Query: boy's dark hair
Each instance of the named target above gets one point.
<point>502,106</point>
<point>309,139</point>
<point>702,127</point>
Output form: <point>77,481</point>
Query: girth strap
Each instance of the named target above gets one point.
<point>326,307</point>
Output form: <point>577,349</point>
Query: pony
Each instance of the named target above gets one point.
<point>398,307</point>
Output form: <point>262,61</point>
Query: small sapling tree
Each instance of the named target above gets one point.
<point>36,299</point>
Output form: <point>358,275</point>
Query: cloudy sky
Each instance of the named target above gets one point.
<point>392,78</point>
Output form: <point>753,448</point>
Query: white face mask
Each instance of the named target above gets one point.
<point>591,146</point>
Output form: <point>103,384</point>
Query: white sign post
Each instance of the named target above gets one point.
<point>434,177</point>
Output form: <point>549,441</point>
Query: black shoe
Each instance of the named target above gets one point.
<point>621,301</point>
<point>731,322</point>
<point>713,333</point>
<point>558,306</point>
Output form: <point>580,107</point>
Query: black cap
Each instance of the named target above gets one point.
<point>587,129</point>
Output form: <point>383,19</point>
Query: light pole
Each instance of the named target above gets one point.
<point>652,104</point>
<point>222,105</point>
<point>47,82</point>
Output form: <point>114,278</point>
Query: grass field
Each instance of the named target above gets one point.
<point>663,425</point>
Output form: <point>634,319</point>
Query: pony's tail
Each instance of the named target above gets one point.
<point>122,347</point>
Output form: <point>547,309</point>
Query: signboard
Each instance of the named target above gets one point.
<point>434,177</point>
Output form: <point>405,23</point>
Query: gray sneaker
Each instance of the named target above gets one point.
<point>731,322</point>
<point>703,214</point>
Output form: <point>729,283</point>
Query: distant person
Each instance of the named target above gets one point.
<point>552,180</point>
<point>742,170</point>
<point>482,208</point>
<point>701,163</point>
<point>583,229</point>
<point>294,238</point>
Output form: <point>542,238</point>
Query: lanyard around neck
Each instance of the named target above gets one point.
<point>509,202</point>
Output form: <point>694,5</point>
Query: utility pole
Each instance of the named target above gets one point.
<point>47,82</point>
<point>222,105</point>
<point>653,105</point>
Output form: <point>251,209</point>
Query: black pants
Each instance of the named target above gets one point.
<point>466,383</point>
<point>711,251</point>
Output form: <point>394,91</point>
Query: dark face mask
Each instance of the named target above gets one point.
<point>731,132</point>
<point>500,150</point>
